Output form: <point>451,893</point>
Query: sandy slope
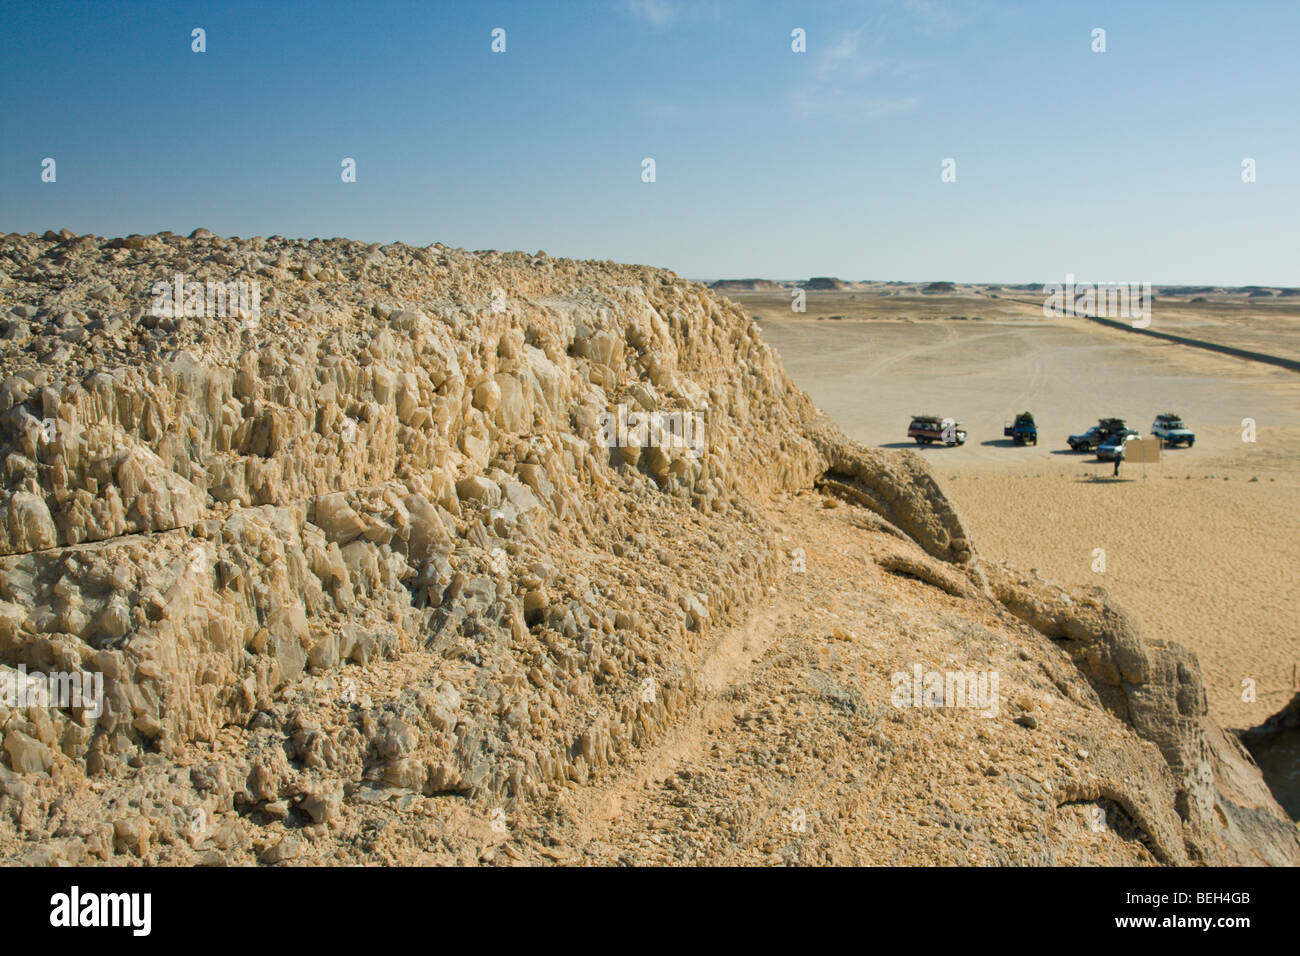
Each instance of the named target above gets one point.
<point>798,757</point>
<point>1204,548</point>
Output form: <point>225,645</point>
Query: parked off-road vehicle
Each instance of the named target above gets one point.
<point>1023,431</point>
<point>928,429</point>
<point>1171,431</point>
<point>1094,436</point>
<point>1109,448</point>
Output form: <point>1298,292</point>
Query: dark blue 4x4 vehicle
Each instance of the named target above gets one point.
<point>1023,431</point>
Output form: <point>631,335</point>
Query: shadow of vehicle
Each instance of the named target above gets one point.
<point>1001,443</point>
<point>917,447</point>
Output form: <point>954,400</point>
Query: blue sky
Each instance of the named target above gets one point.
<point>1123,165</point>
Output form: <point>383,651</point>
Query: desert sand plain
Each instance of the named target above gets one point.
<point>1202,547</point>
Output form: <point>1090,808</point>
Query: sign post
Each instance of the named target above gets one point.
<point>1144,450</point>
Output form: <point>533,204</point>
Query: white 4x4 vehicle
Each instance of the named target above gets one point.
<point>1170,430</point>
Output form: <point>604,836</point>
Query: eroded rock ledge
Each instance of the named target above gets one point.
<point>374,542</point>
<point>1225,810</point>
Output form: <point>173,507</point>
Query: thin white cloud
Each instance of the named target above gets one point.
<point>665,13</point>
<point>850,55</point>
<point>933,16</point>
<point>938,18</point>
<point>840,52</point>
<point>658,12</point>
<point>852,79</point>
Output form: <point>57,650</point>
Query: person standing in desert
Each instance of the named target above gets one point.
<point>1119,456</point>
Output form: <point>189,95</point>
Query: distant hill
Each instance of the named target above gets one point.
<point>744,285</point>
<point>824,283</point>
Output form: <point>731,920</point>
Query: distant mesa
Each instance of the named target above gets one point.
<point>825,284</point>
<point>744,285</point>
<point>884,288</point>
<point>1186,289</point>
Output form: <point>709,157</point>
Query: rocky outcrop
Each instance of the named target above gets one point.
<point>1285,720</point>
<point>1275,745</point>
<point>430,523</point>
<point>898,487</point>
<point>220,516</point>
<point>1155,687</point>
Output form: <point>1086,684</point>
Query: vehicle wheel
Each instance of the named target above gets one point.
<point>920,441</point>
